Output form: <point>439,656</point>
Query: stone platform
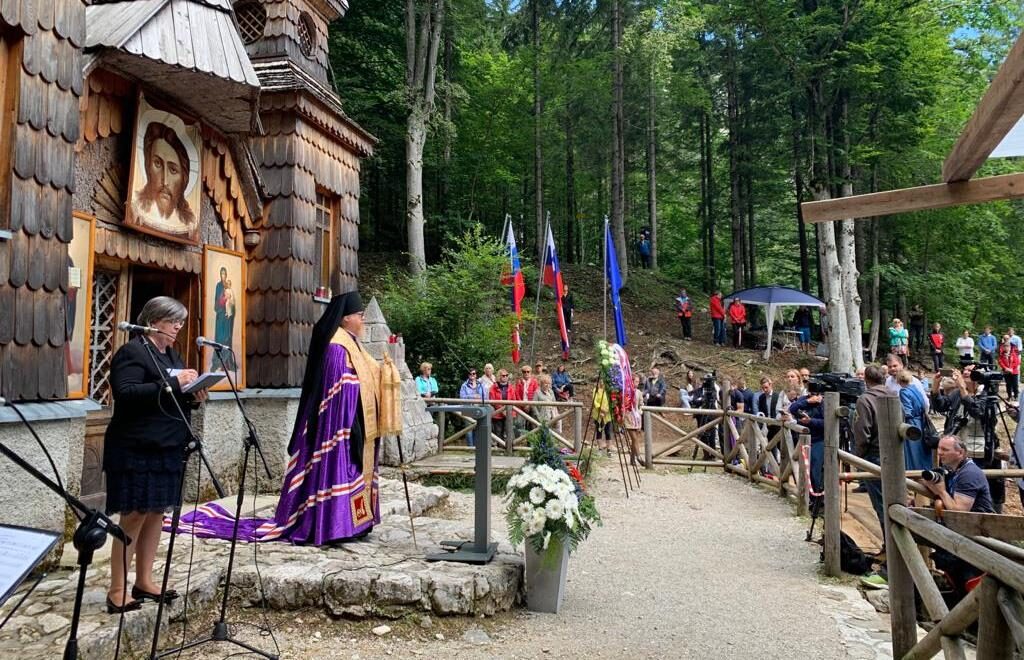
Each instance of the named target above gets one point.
<point>383,575</point>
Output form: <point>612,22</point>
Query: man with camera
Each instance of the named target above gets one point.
<point>865,431</point>
<point>707,397</point>
<point>959,483</point>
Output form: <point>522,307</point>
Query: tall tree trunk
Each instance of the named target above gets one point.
<point>652,170</point>
<point>618,145</point>
<point>847,243</point>
<point>423,26</point>
<point>710,200</point>
<point>876,280</point>
<point>570,190</point>
<point>538,156</point>
<point>751,250</point>
<point>415,137</point>
<point>735,188</point>
<point>446,155</point>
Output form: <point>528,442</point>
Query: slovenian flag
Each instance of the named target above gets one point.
<point>553,279</point>
<point>514,277</point>
<point>614,284</point>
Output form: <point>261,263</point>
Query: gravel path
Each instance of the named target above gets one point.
<point>692,566</point>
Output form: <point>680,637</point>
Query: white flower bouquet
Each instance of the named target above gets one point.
<point>547,503</point>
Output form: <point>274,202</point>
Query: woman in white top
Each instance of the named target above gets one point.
<point>488,379</point>
<point>965,345</point>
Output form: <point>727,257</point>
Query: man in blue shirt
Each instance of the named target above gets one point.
<point>472,389</point>
<point>964,487</point>
<point>1015,340</point>
<point>987,344</point>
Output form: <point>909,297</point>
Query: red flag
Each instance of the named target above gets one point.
<point>514,277</point>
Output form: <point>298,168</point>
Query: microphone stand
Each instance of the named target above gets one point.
<point>220,627</point>
<point>90,535</point>
<point>194,446</point>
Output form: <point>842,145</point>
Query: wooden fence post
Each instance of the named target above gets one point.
<point>510,431</point>
<point>801,475</point>
<point>440,417</point>
<point>723,402</point>
<point>831,485</point>
<point>994,641</point>
<point>648,440</point>
<point>578,423</point>
<point>902,610</point>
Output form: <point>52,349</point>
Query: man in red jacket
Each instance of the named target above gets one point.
<point>738,319</point>
<point>717,319</point>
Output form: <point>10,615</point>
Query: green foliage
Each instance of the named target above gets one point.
<point>457,316</point>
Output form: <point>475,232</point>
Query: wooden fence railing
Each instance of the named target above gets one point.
<point>519,420</point>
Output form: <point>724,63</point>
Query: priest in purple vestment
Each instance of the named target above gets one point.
<point>330,489</point>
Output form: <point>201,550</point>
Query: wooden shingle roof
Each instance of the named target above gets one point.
<point>190,49</point>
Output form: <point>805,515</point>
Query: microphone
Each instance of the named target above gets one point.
<point>203,341</point>
<point>131,327</point>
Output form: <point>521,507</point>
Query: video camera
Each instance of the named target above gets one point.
<point>849,387</point>
<point>987,376</point>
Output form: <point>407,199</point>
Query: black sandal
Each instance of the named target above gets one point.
<point>127,607</point>
<point>140,595</point>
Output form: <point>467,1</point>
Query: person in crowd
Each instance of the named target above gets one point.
<point>948,395</point>
<point>805,376</point>
<point>544,393</point>
<point>143,451</point>
<point>1015,340</point>
<point>562,383</point>
<point>426,385</point>
<point>965,346</point>
<point>525,387</point>
<point>654,388</point>
<point>741,399</point>
<point>937,342</point>
<point>487,379</point>
<point>794,383</point>
<point>807,411</point>
<point>1009,363</point>
<point>716,309</point>
<point>964,488</point>
<point>770,403</point>
<point>915,407</point>
<point>684,310</point>
<point>865,431</point>
<point>539,369</point>
<point>472,388</point>
<point>898,341</point>
<point>802,321</point>
<point>686,391</point>
<point>644,248</point>
<point>987,345</point>
<point>708,398</point>
<point>916,316</point>
<point>738,320</point>
<point>502,390</point>
<point>568,311</point>
<point>894,365</point>
<point>632,421</point>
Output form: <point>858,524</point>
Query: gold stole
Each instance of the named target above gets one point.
<point>368,372</point>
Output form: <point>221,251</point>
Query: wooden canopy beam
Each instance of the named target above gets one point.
<point>921,198</point>
<point>996,114</point>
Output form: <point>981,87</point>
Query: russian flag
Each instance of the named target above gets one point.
<point>553,279</point>
<point>514,277</point>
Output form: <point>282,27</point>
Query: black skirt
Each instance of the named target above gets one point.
<point>144,482</point>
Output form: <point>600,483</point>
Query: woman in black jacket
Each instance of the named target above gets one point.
<point>143,447</point>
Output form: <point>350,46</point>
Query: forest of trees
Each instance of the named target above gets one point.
<point>706,121</point>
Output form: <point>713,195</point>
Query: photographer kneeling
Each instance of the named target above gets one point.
<point>808,412</point>
<point>960,485</point>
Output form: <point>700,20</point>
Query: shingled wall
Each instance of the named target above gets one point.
<point>33,265</point>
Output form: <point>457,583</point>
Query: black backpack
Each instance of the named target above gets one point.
<point>852,559</point>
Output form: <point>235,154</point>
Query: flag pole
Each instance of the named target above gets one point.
<point>540,283</point>
<point>504,227</point>
<point>605,244</point>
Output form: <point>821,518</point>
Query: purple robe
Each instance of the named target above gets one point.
<point>323,495</point>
